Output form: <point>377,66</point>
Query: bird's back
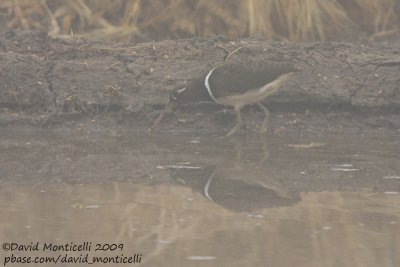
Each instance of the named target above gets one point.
<point>237,78</point>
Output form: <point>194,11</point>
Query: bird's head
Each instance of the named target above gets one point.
<point>195,91</point>
<point>178,96</point>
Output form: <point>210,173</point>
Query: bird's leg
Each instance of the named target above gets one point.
<point>238,124</point>
<point>264,125</point>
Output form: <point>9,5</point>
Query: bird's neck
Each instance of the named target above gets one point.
<point>197,90</point>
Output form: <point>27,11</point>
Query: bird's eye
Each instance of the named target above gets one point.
<point>173,95</point>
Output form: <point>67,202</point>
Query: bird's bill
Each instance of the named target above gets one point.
<point>160,117</point>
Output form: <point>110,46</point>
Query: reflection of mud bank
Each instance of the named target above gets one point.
<point>47,82</point>
<point>159,221</point>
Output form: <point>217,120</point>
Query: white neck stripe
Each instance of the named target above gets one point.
<point>207,85</point>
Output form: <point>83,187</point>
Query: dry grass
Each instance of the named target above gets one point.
<point>289,20</point>
<point>297,20</point>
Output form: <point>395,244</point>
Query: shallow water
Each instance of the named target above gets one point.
<point>202,201</point>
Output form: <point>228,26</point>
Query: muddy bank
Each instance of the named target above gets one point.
<point>77,83</point>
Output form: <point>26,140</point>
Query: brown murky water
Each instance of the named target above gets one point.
<point>201,201</point>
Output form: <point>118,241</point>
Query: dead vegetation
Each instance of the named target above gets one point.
<point>287,20</point>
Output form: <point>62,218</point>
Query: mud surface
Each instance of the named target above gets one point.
<point>75,83</point>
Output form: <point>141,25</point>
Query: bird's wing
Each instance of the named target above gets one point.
<point>236,78</point>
